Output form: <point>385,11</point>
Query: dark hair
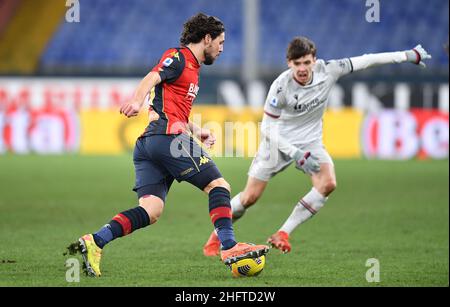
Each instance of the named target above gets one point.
<point>198,26</point>
<point>299,47</point>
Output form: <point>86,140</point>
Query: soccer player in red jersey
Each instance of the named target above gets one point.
<point>167,150</point>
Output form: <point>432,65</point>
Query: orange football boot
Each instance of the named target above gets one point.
<point>280,240</point>
<point>242,251</point>
<point>212,246</point>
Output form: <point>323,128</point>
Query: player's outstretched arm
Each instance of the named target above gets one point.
<point>417,55</point>
<point>132,107</point>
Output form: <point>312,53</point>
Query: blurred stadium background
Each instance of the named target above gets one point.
<point>91,66</point>
<point>62,80</point>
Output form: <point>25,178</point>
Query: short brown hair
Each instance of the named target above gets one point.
<point>299,47</point>
<point>198,26</point>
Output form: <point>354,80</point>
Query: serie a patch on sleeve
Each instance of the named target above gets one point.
<point>167,62</point>
<point>274,102</point>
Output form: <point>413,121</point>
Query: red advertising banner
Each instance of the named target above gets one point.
<point>392,134</point>
<point>44,131</point>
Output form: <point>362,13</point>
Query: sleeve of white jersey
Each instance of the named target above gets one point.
<point>276,100</point>
<point>339,68</point>
<point>372,60</point>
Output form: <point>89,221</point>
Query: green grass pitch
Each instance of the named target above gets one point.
<point>396,212</point>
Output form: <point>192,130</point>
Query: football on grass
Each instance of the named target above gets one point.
<point>248,267</point>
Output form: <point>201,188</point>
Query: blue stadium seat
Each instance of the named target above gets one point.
<point>133,34</point>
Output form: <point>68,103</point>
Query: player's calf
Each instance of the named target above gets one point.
<point>212,246</point>
<point>305,209</point>
<point>121,225</point>
<point>220,213</point>
<point>247,198</point>
<point>241,202</point>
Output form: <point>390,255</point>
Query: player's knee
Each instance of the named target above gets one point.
<point>154,216</point>
<point>154,207</point>
<point>328,187</point>
<point>222,183</point>
<point>249,198</point>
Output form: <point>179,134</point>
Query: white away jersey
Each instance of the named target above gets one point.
<point>300,108</point>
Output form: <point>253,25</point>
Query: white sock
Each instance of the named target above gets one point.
<point>307,207</point>
<point>237,208</point>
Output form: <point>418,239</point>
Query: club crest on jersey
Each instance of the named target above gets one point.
<point>167,62</point>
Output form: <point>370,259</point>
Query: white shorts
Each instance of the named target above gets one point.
<point>269,162</point>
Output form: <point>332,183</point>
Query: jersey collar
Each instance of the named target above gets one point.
<point>193,55</point>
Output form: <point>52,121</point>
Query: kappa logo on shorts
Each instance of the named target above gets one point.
<point>203,160</point>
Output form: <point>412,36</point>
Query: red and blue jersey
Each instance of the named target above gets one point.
<point>172,99</point>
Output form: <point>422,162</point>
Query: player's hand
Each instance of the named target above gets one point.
<point>306,162</point>
<point>130,108</point>
<point>418,55</point>
<point>207,137</point>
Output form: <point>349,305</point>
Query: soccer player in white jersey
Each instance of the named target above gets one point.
<point>292,131</point>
